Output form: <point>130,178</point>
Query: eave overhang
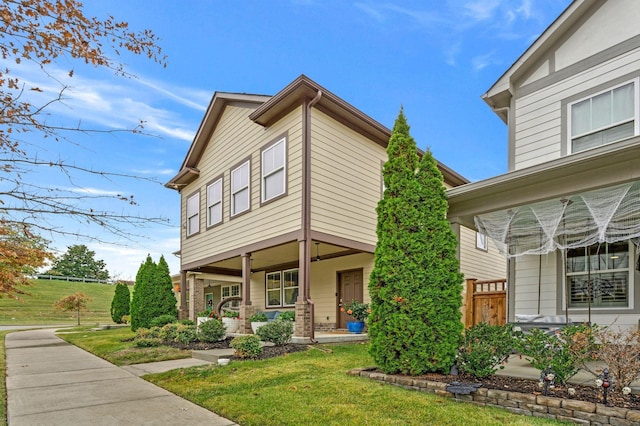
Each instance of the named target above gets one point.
<point>597,168</point>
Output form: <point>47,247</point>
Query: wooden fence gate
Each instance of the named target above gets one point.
<point>485,301</point>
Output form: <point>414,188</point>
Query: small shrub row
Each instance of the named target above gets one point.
<point>486,347</point>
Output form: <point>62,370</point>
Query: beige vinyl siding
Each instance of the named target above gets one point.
<point>480,264</point>
<point>324,283</point>
<point>538,131</point>
<point>346,173</point>
<point>235,139</point>
<point>527,283</point>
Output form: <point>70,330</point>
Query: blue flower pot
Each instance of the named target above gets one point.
<point>355,327</point>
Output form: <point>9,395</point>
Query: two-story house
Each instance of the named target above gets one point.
<point>279,197</point>
<point>567,212</point>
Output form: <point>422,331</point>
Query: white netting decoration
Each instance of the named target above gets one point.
<point>604,215</point>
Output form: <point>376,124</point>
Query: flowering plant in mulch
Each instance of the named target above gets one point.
<point>360,311</point>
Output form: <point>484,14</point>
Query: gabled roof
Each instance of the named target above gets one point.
<point>499,95</point>
<point>269,109</point>
<point>220,100</point>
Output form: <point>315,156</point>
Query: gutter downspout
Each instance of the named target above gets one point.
<point>306,212</point>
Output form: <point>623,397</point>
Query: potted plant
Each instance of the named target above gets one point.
<point>204,316</point>
<point>359,311</point>
<point>231,320</point>
<point>287,316</point>
<point>257,320</point>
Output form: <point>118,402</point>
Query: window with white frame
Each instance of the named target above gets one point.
<point>214,202</point>
<point>274,170</point>
<point>607,117</point>
<point>193,214</point>
<point>240,191</point>
<point>600,276</point>
<point>481,242</point>
<point>282,288</point>
<point>231,290</point>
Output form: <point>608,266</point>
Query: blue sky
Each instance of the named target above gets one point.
<point>434,58</point>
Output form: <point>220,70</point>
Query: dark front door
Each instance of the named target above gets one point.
<point>349,288</point>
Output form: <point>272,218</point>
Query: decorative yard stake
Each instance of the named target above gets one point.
<point>547,378</point>
<point>603,382</point>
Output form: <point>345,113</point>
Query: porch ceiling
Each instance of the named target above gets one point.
<point>283,255</point>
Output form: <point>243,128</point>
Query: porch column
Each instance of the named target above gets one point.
<point>196,296</point>
<point>246,308</point>
<point>183,312</point>
<point>304,314</point>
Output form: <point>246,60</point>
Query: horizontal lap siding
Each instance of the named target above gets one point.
<point>538,131</point>
<point>526,284</point>
<point>480,264</point>
<point>235,139</point>
<point>346,183</point>
<point>324,283</point>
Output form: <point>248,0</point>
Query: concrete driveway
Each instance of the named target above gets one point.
<point>51,382</point>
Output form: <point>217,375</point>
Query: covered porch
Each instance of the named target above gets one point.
<point>569,229</point>
<point>282,276</point>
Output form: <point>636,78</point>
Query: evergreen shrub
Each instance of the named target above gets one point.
<point>278,332</point>
<point>247,346</point>
<point>211,331</point>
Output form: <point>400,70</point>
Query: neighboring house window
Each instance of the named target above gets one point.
<point>608,283</point>
<point>193,214</point>
<point>231,291</point>
<point>481,241</point>
<point>240,188</point>
<point>607,117</point>
<point>273,170</point>
<point>214,203</point>
<point>282,288</point>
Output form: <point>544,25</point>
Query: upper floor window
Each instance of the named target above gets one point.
<point>193,213</point>
<point>607,117</point>
<point>214,202</point>
<point>240,190</point>
<point>273,170</point>
<point>600,275</point>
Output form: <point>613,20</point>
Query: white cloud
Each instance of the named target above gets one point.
<point>154,172</point>
<point>480,62</point>
<point>92,191</point>
<point>481,10</point>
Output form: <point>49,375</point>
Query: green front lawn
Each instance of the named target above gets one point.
<point>310,388</point>
<point>114,346</point>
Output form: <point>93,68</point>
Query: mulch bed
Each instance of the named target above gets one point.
<point>267,351</point>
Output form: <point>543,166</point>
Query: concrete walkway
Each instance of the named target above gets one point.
<point>50,382</point>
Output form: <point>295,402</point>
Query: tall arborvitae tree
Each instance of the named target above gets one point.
<point>415,279</point>
<point>141,301</point>
<point>152,294</point>
<point>167,301</point>
<point>121,303</point>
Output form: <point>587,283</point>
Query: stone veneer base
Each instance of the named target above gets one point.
<point>581,412</point>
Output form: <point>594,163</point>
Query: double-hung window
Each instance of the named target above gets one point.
<point>600,275</point>
<point>240,189</point>
<point>274,170</point>
<point>607,117</point>
<point>193,213</point>
<point>282,288</point>
<point>231,291</point>
<point>214,202</point>
<point>481,242</point>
